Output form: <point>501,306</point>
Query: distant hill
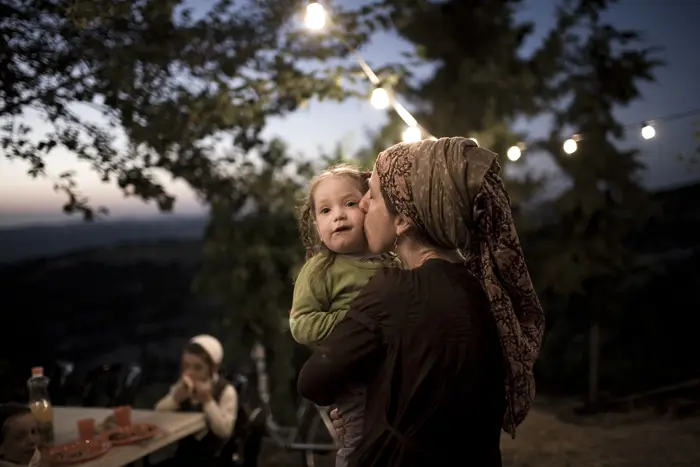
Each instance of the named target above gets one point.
<point>678,205</point>
<point>21,243</point>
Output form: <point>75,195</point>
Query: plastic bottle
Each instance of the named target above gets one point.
<point>40,404</point>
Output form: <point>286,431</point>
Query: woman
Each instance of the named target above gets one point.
<point>446,346</point>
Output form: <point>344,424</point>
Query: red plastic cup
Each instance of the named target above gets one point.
<point>122,415</point>
<point>86,429</point>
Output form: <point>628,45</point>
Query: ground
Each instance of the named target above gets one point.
<point>639,439</point>
<point>552,437</point>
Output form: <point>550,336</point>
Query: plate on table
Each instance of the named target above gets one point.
<point>132,434</point>
<point>78,452</point>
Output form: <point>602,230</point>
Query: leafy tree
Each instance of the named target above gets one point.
<point>172,85</point>
<point>186,95</point>
<point>252,251</point>
<point>586,253</point>
<point>480,81</point>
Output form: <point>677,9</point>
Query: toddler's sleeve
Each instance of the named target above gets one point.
<point>310,320</point>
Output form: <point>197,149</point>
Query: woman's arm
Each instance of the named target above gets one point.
<point>222,416</point>
<point>355,348</point>
<point>348,355</point>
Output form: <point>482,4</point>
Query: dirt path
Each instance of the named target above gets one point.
<point>545,440</point>
<point>639,440</point>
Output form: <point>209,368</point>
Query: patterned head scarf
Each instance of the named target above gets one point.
<point>450,190</point>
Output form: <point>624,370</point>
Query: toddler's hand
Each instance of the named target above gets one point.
<point>338,422</point>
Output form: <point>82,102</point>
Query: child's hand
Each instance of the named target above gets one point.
<point>202,391</point>
<point>41,457</point>
<point>338,422</point>
<point>182,390</point>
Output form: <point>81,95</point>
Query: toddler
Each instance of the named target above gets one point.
<point>338,266</point>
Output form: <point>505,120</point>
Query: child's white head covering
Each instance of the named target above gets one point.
<point>211,345</point>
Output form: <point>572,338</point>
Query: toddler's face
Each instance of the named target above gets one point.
<point>21,439</point>
<point>339,219</point>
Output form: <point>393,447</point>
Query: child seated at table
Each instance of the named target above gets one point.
<point>201,389</point>
<point>19,436</point>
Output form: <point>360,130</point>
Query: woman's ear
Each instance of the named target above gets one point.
<point>401,224</point>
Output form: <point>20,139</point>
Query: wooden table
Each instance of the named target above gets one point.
<point>175,426</point>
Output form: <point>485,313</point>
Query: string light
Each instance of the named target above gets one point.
<point>412,134</point>
<point>380,99</point>
<point>514,153</point>
<point>648,131</point>
<point>570,146</point>
<point>315,17</point>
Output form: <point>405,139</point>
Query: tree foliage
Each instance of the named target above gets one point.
<point>586,255</point>
<point>480,80</point>
<point>600,68</point>
<point>251,253</point>
<point>170,84</point>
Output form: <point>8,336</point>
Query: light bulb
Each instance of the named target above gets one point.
<point>412,134</point>
<point>379,99</point>
<point>315,18</point>
<point>514,153</point>
<point>570,146</point>
<point>648,131</point>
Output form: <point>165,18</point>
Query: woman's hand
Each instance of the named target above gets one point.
<point>338,422</point>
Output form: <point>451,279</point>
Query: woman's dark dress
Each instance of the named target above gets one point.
<point>426,344</point>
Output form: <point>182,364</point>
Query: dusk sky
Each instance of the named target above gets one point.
<point>671,24</point>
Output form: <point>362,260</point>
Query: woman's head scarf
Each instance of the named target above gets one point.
<point>450,190</point>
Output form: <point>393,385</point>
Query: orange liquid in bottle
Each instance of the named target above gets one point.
<point>42,411</point>
<point>41,406</point>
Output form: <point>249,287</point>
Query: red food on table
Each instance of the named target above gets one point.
<point>132,433</point>
<point>78,451</point>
